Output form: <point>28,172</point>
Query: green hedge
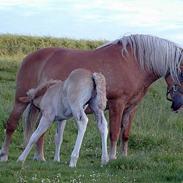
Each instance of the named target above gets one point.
<point>20,44</point>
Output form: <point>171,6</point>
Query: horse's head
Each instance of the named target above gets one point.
<point>175,91</point>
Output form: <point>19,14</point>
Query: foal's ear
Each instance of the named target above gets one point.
<point>24,99</point>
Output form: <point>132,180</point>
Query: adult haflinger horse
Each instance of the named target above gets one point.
<point>130,65</point>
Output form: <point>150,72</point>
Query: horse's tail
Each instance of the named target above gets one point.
<point>29,122</point>
<point>34,93</point>
<point>100,83</point>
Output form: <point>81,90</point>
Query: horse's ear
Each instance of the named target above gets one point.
<point>24,99</point>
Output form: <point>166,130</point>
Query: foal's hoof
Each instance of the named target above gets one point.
<point>73,162</point>
<point>56,159</point>
<point>20,160</point>
<point>72,165</point>
<point>104,161</point>
<point>3,157</point>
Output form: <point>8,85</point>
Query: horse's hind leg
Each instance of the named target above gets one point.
<point>125,129</point>
<point>11,125</point>
<point>116,108</point>
<point>59,138</point>
<point>30,117</point>
<point>82,121</point>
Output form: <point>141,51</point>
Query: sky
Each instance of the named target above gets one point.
<point>93,19</point>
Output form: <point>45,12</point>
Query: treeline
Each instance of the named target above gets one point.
<point>20,44</point>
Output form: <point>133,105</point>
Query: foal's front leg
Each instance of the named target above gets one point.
<point>42,127</point>
<point>59,138</point>
<point>82,122</point>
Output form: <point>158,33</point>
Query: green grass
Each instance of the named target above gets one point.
<point>155,144</point>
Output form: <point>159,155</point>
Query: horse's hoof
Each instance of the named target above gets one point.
<point>38,158</point>
<point>113,158</point>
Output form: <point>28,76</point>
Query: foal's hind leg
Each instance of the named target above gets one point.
<point>116,107</point>
<point>32,117</point>
<point>59,138</point>
<point>102,125</point>
<point>11,125</point>
<point>82,121</point>
<point>42,127</point>
<point>39,153</point>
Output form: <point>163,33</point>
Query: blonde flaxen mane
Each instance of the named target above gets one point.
<point>155,54</point>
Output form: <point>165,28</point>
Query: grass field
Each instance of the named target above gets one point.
<point>155,144</point>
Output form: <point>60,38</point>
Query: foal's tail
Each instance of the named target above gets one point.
<point>100,83</point>
<point>34,93</point>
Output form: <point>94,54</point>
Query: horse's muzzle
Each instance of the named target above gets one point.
<point>177,102</point>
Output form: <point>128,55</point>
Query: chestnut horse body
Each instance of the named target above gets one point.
<point>127,75</point>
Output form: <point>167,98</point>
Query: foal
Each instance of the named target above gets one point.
<point>59,101</point>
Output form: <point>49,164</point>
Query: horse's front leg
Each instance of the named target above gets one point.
<point>126,122</point>
<point>116,107</point>
<point>59,138</point>
<point>11,125</point>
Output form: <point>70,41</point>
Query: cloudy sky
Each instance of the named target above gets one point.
<point>93,19</point>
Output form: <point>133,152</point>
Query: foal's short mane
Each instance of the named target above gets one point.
<point>156,54</point>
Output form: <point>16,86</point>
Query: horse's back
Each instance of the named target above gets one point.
<point>31,68</point>
<point>58,63</point>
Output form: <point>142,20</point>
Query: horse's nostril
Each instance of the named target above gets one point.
<point>176,104</point>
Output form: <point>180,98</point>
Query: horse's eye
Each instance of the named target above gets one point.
<point>174,88</point>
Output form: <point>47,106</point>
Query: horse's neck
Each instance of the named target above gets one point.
<point>150,78</point>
